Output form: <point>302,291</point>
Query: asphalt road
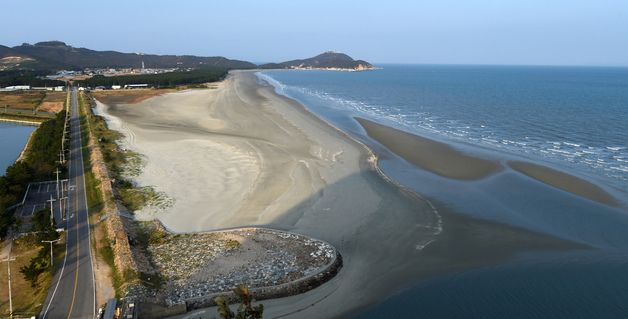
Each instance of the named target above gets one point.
<point>72,294</point>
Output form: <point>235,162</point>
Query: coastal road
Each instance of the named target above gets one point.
<point>72,293</point>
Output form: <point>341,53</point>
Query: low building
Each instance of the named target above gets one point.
<point>17,87</point>
<point>116,87</point>
<point>136,86</point>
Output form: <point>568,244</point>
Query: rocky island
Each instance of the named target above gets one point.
<point>325,61</point>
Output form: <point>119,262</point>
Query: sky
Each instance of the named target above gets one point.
<point>513,32</point>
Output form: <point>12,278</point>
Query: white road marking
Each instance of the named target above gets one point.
<point>65,257</point>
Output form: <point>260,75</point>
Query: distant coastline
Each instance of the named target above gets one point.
<point>361,69</point>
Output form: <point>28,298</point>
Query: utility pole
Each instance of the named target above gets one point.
<point>62,154</point>
<point>57,172</point>
<point>52,214</point>
<point>51,242</point>
<point>9,260</point>
<point>63,199</point>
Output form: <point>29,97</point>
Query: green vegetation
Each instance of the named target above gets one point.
<point>27,301</point>
<point>58,55</point>
<point>245,311</point>
<point>95,201</point>
<point>26,77</point>
<point>23,117</point>
<point>169,79</point>
<point>38,165</point>
<point>233,244</point>
<point>323,60</point>
<point>94,196</point>
<point>121,164</point>
<point>44,230</point>
<point>106,253</point>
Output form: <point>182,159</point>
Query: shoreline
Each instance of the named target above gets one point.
<point>438,158</point>
<point>26,147</point>
<point>343,197</point>
<point>30,123</point>
<point>24,150</point>
<point>564,181</point>
<point>444,160</point>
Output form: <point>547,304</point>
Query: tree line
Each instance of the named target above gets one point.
<point>168,79</point>
<point>27,77</point>
<point>38,165</point>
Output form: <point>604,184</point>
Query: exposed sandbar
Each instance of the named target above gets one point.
<point>433,156</point>
<point>564,181</point>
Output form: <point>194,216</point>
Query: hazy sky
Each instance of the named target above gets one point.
<point>559,32</point>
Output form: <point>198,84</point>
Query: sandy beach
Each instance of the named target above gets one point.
<point>241,155</point>
<point>245,164</point>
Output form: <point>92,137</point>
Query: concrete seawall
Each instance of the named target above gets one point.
<point>116,232</point>
<point>151,308</point>
<point>292,288</point>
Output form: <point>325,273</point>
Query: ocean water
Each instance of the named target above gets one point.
<point>13,137</point>
<point>570,285</point>
<point>572,117</point>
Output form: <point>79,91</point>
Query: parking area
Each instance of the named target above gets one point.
<point>39,195</point>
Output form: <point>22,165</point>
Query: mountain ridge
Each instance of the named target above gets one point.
<point>57,55</point>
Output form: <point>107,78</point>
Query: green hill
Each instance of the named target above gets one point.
<point>327,60</point>
<point>58,55</point>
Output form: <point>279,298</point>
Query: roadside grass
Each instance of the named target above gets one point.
<point>147,234</point>
<point>27,301</point>
<point>94,196</point>
<point>95,201</point>
<point>106,253</point>
<point>25,117</point>
<point>123,164</point>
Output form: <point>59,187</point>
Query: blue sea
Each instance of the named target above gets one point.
<point>574,119</point>
<point>13,137</point>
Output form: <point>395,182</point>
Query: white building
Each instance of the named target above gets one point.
<point>135,86</point>
<point>17,87</point>
<point>116,87</point>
